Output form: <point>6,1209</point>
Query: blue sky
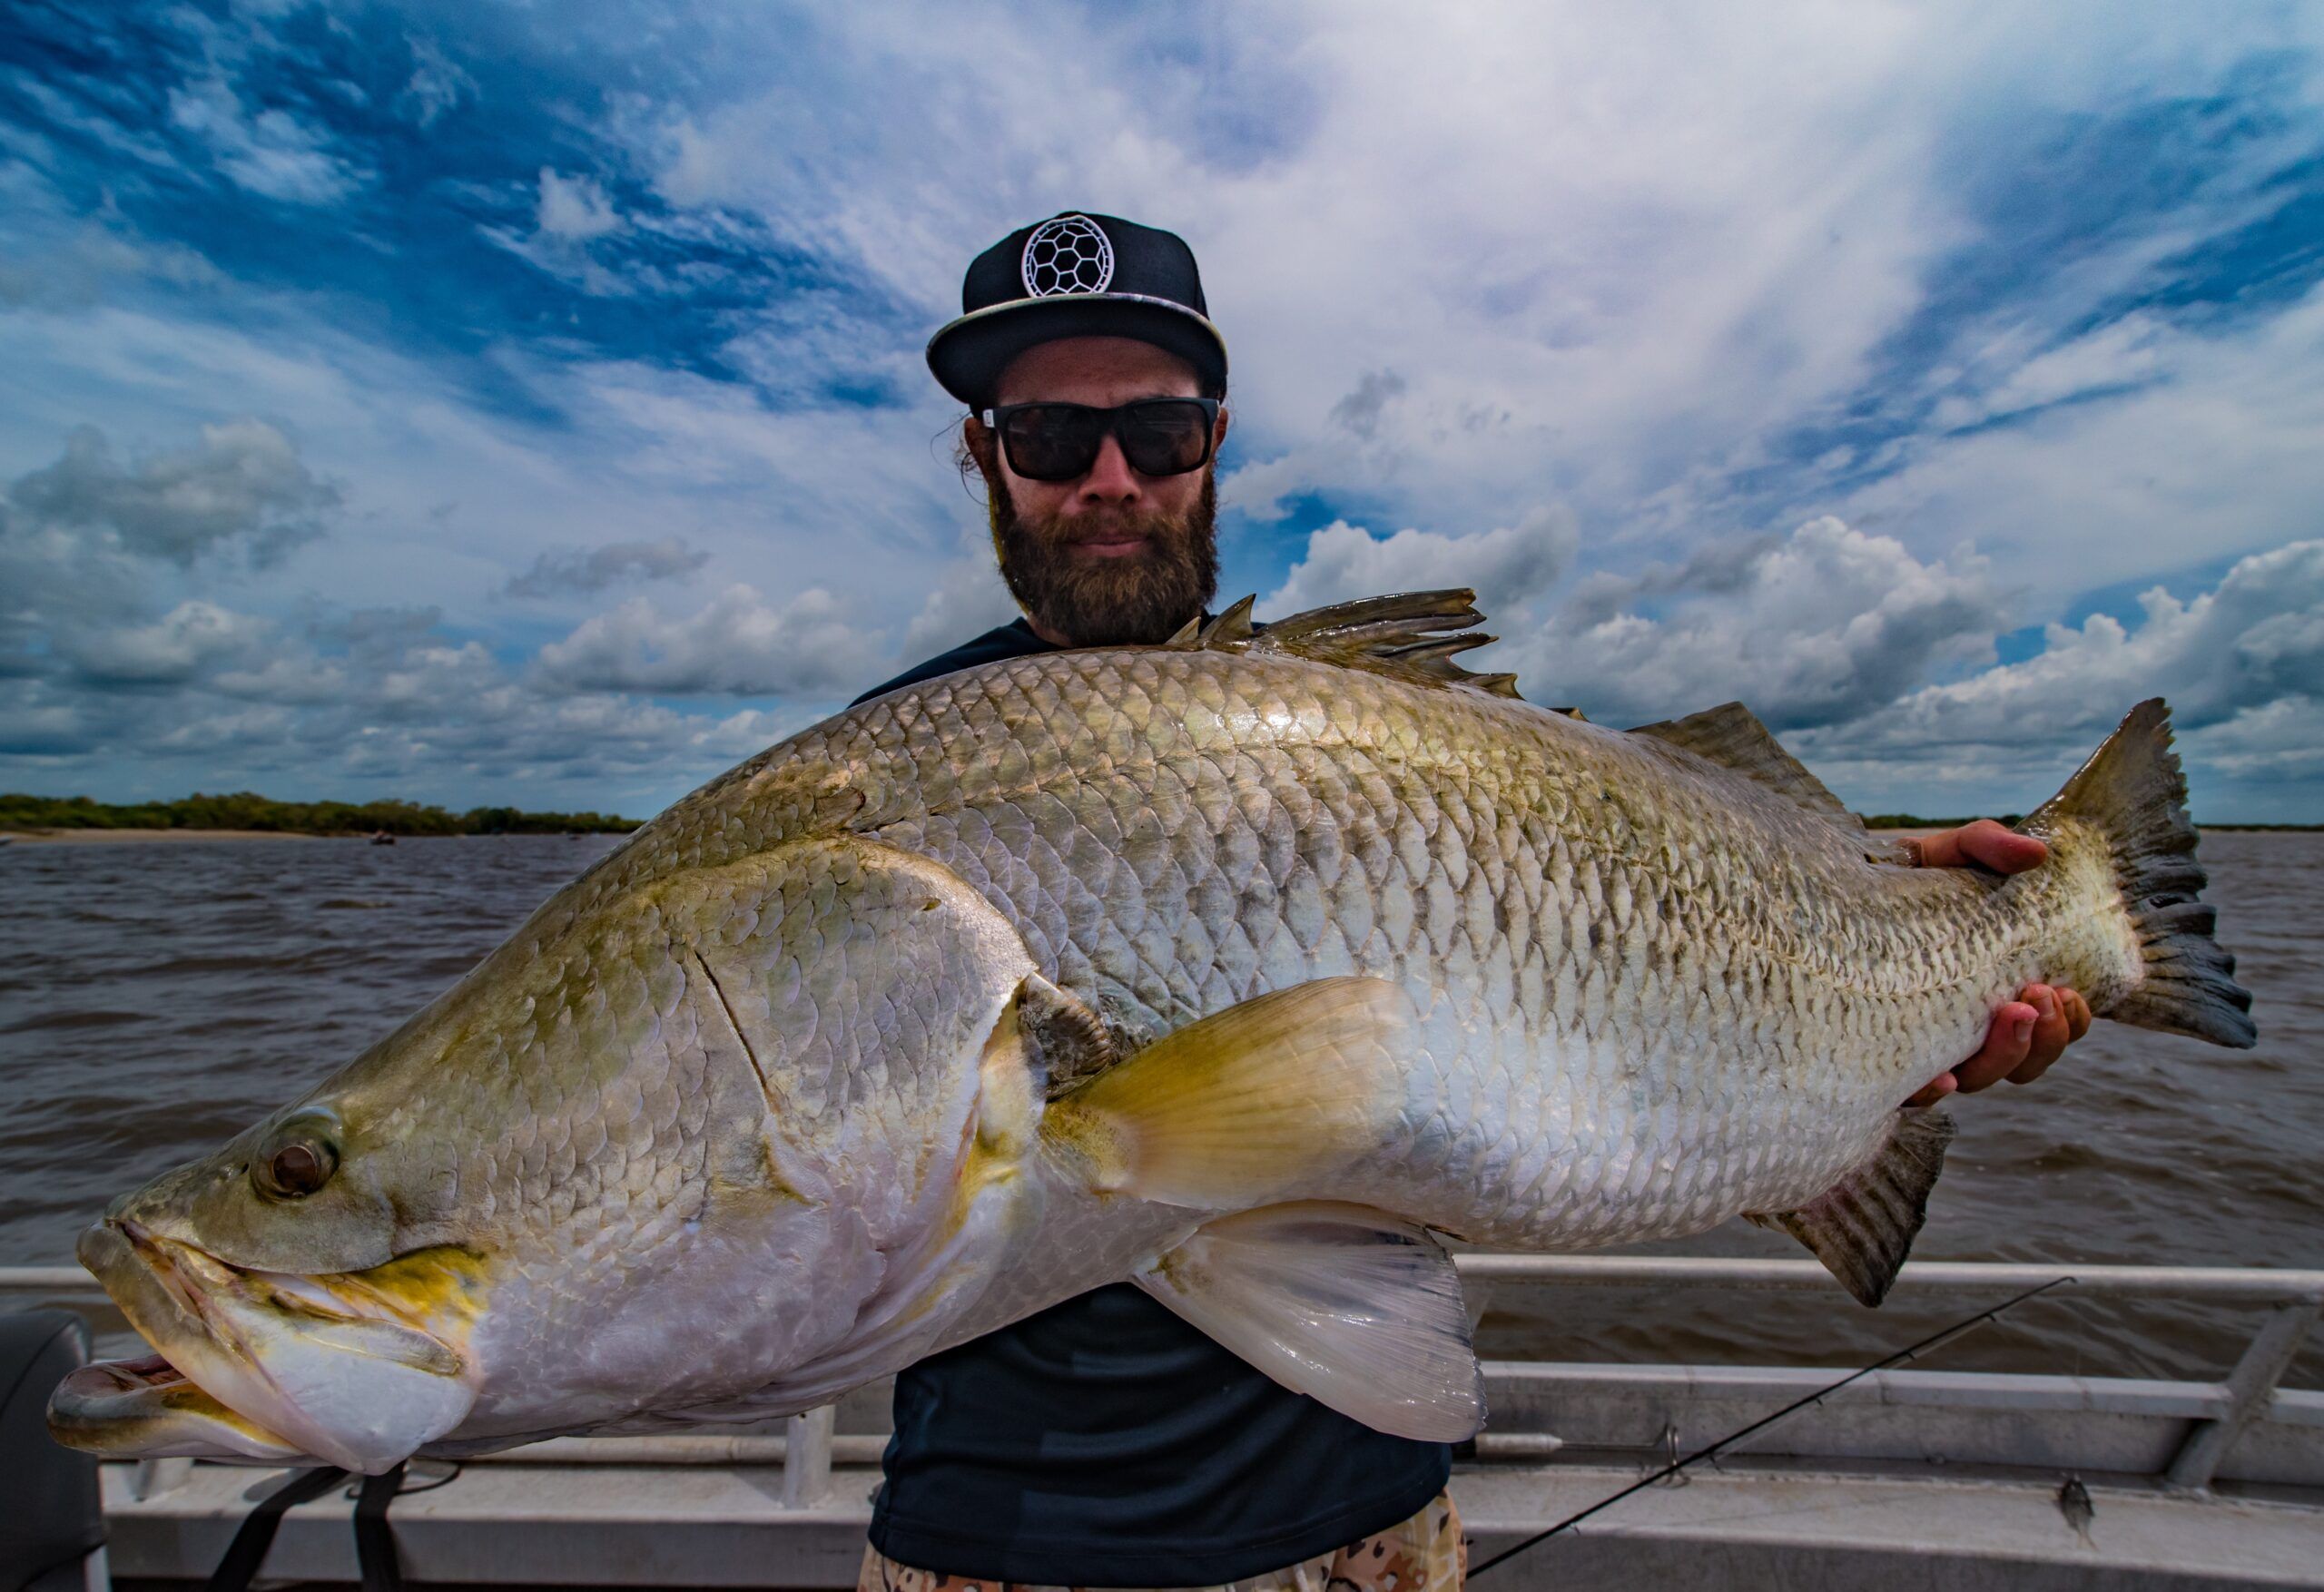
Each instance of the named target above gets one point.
<point>524,403</point>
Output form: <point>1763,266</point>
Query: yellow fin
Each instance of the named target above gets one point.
<point>1235,1109</point>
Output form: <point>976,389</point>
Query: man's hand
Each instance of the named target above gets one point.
<point>2031,1032</point>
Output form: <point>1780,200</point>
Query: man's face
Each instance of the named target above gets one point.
<point>1113,556</point>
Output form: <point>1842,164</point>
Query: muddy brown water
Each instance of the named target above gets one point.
<point>155,1000</point>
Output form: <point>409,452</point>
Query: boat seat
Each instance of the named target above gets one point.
<point>51,1528</point>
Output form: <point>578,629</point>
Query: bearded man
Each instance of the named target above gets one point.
<point>1104,1442</point>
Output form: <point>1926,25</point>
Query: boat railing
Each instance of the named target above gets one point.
<point>2214,1416</point>
<point>2291,1300</point>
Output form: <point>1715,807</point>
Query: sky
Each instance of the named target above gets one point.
<point>524,403</point>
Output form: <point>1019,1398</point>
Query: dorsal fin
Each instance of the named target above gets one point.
<point>1732,736</point>
<point>1410,637</point>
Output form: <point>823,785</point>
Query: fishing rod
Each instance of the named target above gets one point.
<point>1933,1340</point>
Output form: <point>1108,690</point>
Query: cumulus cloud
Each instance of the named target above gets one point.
<point>571,571</point>
<point>1507,566</point>
<point>1701,275</point>
<point>2249,652</point>
<point>187,640</point>
<point>737,645</point>
<point>243,484</point>
<point>966,598</point>
<point>574,208</point>
<point>1819,627</point>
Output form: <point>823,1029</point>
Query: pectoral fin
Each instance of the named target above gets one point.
<point>1355,1308</point>
<point>1862,1226</point>
<point>1235,1110</point>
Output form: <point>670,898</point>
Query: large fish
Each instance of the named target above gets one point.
<point>1240,966</point>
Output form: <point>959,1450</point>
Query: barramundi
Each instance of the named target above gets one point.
<point>1249,967</point>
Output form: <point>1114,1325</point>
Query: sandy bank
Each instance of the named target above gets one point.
<point>78,837</point>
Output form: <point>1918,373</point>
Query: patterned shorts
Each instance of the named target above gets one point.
<point>1424,1554</point>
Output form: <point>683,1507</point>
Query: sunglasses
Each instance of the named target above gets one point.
<point>1060,442</point>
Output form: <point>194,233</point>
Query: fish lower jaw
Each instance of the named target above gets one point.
<point>257,1366</point>
<point>147,1409</point>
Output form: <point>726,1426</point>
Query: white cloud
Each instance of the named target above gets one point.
<point>735,646</point>
<point>2248,646</point>
<point>2213,451</point>
<point>244,482</point>
<point>1694,274</point>
<point>273,154</point>
<point>183,642</point>
<point>574,208</point>
<point>967,598</point>
<point>1512,563</point>
<point>568,570</point>
<point>437,83</point>
<point>1820,627</point>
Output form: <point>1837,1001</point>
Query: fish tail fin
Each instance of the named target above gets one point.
<point>2134,793</point>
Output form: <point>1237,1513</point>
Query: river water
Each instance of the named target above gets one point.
<point>154,998</point>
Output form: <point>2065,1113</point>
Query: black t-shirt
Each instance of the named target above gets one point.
<point>1105,1442</point>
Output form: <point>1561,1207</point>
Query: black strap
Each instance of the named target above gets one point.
<point>375,1539</point>
<point>239,1568</point>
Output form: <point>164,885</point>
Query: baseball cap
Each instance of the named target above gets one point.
<point>1076,274</point>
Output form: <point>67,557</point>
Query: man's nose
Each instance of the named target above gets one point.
<point>1110,479</point>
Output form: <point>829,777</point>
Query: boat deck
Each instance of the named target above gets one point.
<point>1928,1479</point>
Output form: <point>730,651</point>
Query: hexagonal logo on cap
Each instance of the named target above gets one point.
<point>1068,255</point>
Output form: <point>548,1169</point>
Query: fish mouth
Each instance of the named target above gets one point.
<point>265,1365</point>
<point>139,1408</point>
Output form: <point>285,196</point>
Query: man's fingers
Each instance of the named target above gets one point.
<point>2007,1041</point>
<point>1941,850</point>
<point>1937,1089</point>
<point>1984,844</point>
<point>2052,1032</point>
<point>2065,1017</point>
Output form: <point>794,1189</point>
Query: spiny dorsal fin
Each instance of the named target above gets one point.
<point>1862,1227</point>
<point>1232,626</point>
<point>1405,638</point>
<point>1731,735</point>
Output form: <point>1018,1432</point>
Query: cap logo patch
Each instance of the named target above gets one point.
<point>1068,255</point>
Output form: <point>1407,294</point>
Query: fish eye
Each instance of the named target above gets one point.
<point>294,1167</point>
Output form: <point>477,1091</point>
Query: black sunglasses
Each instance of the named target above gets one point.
<point>1060,442</point>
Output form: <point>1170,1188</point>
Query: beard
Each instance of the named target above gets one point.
<point>1141,599</point>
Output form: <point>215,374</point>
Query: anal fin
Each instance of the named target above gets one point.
<point>1357,1309</point>
<point>1863,1226</point>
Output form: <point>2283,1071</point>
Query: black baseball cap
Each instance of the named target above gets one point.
<point>1076,275</point>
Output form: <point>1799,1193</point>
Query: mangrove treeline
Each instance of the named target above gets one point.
<point>245,810</point>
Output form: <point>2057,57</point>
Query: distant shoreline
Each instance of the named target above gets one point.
<point>138,836</point>
<point>247,815</point>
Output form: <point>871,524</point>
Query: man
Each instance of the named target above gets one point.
<point>1104,1442</point>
